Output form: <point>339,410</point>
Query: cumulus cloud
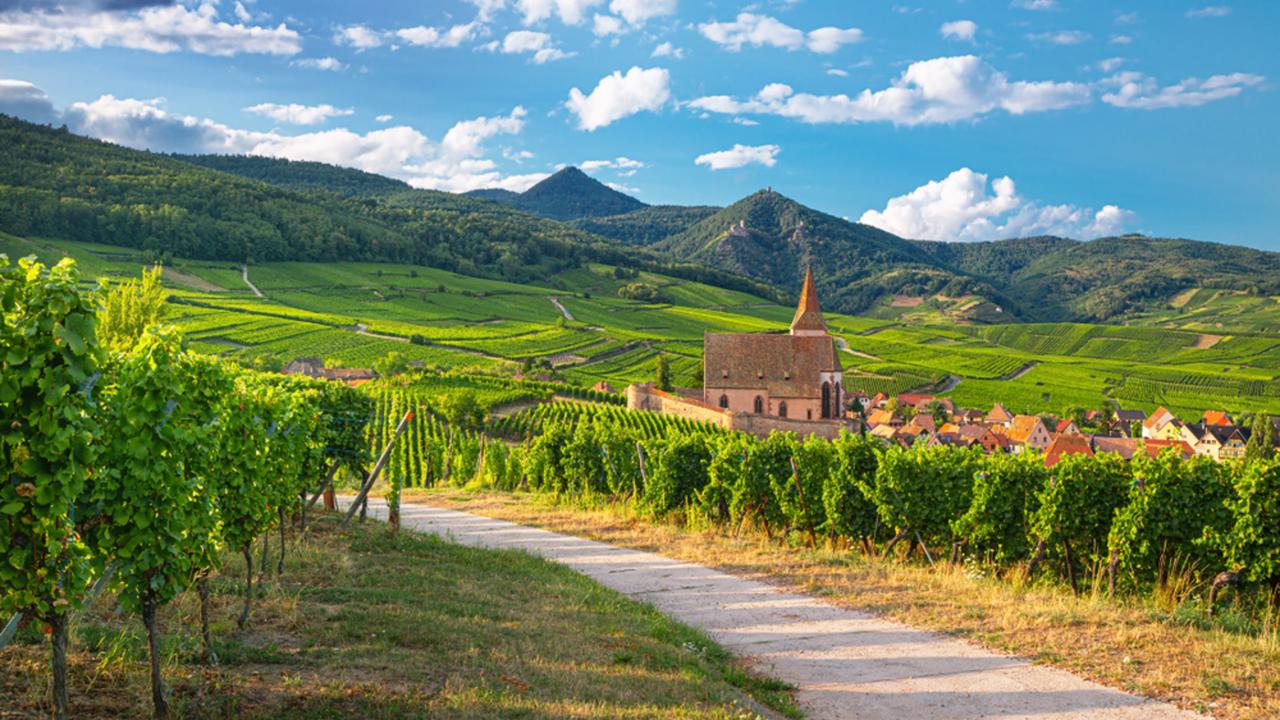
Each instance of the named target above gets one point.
<point>486,9</point>
<point>1142,92</point>
<point>452,37</point>
<point>1035,4</point>
<point>618,163</point>
<point>296,114</point>
<point>940,90</point>
<point>360,37</point>
<point>1111,64</point>
<point>959,208</point>
<point>330,64</point>
<point>637,12</point>
<point>762,30</point>
<point>959,30</point>
<point>666,49</point>
<point>617,96</point>
<point>538,44</point>
<point>740,156</point>
<point>167,29</point>
<point>570,12</point>
<point>23,100</point>
<point>607,25</point>
<point>384,118</point>
<point>457,162</point>
<point>1060,37</point>
<point>1211,11</point>
<point>1120,39</point>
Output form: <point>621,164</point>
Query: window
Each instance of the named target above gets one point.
<point>724,401</point>
<point>782,409</point>
<point>759,406</point>
<point>826,400</point>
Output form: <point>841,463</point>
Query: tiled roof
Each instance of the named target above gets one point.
<point>1066,445</point>
<point>808,313</point>
<point>1215,417</point>
<point>1131,415</point>
<point>784,365</point>
<point>1022,427</point>
<point>999,414</point>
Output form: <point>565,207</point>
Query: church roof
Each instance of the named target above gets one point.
<point>784,365</point>
<point>808,313</point>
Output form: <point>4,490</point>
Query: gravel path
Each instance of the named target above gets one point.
<point>846,664</point>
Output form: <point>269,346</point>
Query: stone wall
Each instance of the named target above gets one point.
<point>647,397</point>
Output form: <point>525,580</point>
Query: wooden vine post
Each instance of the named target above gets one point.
<point>362,498</point>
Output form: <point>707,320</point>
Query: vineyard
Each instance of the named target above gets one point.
<point>649,425</point>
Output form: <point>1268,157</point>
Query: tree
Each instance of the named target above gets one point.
<point>48,363</point>
<point>461,409</point>
<point>662,373</point>
<point>393,363</point>
<point>129,307</point>
<point>1262,441</point>
<point>938,411</point>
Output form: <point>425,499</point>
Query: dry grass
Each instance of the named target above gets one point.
<point>366,624</point>
<point>1132,644</point>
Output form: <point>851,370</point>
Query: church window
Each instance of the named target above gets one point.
<point>759,406</point>
<point>826,399</point>
<point>782,409</point>
<point>724,401</point>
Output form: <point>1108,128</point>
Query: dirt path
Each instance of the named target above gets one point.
<point>563,310</point>
<point>244,273</point>
<point>845,664</point>
<point>1021,371</point>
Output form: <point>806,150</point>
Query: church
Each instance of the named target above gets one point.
<point>795,375</point>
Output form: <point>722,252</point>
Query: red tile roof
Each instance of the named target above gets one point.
<point>808,313</point>
<point>1066,445</point>
<point>787,366</point>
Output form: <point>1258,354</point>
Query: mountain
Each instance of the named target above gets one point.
<point>567,195</point>
<point>774,238</point>
<point>646,226</point>
<point>299,175</point>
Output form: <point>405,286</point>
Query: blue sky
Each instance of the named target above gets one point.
<point>944,120</point>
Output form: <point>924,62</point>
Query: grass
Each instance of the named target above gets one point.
<point>1148,645</point>
<point>367,624</point>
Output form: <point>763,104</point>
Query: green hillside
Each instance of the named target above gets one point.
<point>567,195</point>
<point>300,176</point>
<point>646,226</point>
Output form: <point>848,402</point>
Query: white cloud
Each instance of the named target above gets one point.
<point>570,12</point>
<point>1128,18</point>
<point>1111,64</point>
<point>1121,39</point>
<point>1061,37</point>
<point>296,114</point>
<point>359,37</point>
<point>1035,4</point>
<point>165,29</point>
<point>959,208</point>
<point>242,13</point>
<point>617,96</point>
<point>959,30</point>
<point>424,36</point>
<point>384,118</point>
<point>1211,11</point>
<point>456,163</point>
<point>538,43</point>
<point>1142,92</point>
<point>837,72</point>
<point>666,49</point>
<point>940,90</point>
<point>607,25</point>
<point>623,188</point>
<point>618,163</point>
<point>23,100</point>
<point>637,12</point>
<point>740,156</point>
<point>762,30</point>
<point>325,63</point>
<point>486,9</point>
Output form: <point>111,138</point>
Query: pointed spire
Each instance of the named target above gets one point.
<point>808,319</point>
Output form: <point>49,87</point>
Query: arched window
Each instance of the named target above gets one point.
<point>759,406</point>
<point>724,401</point>
<point>826,400</point>
<point>782,409</point>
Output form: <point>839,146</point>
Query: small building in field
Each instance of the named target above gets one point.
<point>603,387</point>
<point>314,367</point>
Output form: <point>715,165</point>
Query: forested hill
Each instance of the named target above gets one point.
<point>567,195</point>
<point>299,175</point>
<point>59,185</point>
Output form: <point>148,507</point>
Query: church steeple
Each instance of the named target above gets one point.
<point>808,319</point>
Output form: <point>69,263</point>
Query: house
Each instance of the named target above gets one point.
<point>314,367</point>
<point>888,434</point>
<point>1126,448</point>
<point>1215,417</point>
<point>1029,431</point>
<point>1156,424</point>
<point>860,398</point>
<point>915,400</point>
<point>794,375</point>
<point>923,422</point>
<point>968,417</point>
<point>999,415</point>
<point>885,417</point>
<point>1066,444</point>
<point>947,438</point>
<point>984,437</point>
<point>877,401</point>
<point>1066,426</point>
<point>603,387</point>
<point>1130,416</point>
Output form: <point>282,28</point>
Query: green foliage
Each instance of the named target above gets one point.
<point>802,505</point>
<point>677,476</point>
<point>1251,542</point>
<point>1005,494</point>
<point>583,462</point>
<point>129,307</point>
<point>48,372</point>
<point>848,489</point>
<point>1262,439</point>
<point>571,193</point>
<point>924,488</point>
<point>768,463</point>
<point>642,292</point>
<point>1172,504</point>
<point>662,373</point>
<point>393,363</point>
<point>1077,504</point>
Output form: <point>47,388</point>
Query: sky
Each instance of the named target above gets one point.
<point>956,120</point>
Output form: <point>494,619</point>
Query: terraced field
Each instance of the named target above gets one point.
<point>353,314</point>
